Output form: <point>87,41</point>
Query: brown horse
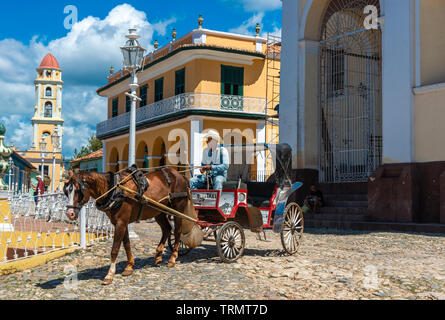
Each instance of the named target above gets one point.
<point>85,185</point>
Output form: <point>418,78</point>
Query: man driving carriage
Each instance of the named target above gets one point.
<point>215,163</point>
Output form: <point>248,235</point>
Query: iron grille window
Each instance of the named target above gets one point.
<point>180,81</point>
<point>232,80</point>
<point>159,89</point>
<point>127,103</point>
<point>115,107</point>
<point>143,95</point>
<point>336,72</point>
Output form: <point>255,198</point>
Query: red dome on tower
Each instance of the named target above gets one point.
<point>49,62</point>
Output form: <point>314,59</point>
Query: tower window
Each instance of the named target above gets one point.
<point>45,169</point>
<point>48,74</point>
<point>49,92</point>
<point>48,110</point>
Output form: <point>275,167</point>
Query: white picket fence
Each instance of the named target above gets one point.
<point>29,229</point>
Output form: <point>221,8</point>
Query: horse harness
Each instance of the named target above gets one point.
<point>115,199</point>
<point>81,191</point>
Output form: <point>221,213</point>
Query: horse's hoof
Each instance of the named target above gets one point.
<point>127,273</point>
<point>171,265</point>
<point>107,282</point>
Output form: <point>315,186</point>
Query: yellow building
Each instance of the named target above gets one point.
<point>204,80</point>
<point>47,120</point>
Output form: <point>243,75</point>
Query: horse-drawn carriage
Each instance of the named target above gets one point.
<point>133,195</point>
<point>244,203</point>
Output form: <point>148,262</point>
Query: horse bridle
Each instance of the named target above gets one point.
<point>82,184</point>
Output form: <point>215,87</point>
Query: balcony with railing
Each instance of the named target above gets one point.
<point>174,106</point>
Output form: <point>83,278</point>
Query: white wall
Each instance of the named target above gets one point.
<point>289,77</point>
<point>398,82</point>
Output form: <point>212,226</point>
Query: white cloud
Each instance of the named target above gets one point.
<point>85,55</point>
<point>248,26</point>
<point>74,137</point>
<point>18,130</point>
<point>161,27</point>
<point>261,5</point>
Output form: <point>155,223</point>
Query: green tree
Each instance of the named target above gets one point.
<point>94,144</point>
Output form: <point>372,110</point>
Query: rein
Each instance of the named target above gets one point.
<point>144,170</point>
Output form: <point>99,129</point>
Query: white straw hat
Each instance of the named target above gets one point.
<point>214,135</point>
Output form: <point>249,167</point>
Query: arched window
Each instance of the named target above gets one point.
<point>49,92</point>
<point>48,110</point>
<point>146,161</point>
<point>350,84</point>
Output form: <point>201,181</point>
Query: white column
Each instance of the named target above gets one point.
<point>417,43</point>
<point>83,226</point>
<point>59,101</point>
<point>289,77</point>
<point>261,155</point>
<point>196,127</point>
<point>39,100</point>
<point>398,82</point>
<point>34,135</point>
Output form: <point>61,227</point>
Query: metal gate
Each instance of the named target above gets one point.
<point>350,96</point>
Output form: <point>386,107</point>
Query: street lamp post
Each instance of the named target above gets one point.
<point>55,141</point>
<point>133,54</point>
<point>42,154</point>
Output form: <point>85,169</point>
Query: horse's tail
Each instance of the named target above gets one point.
<point>192,234</point>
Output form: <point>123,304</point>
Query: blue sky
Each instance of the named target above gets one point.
<point>30,29</point>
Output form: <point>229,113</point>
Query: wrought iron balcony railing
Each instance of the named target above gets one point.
<point>183,102</point>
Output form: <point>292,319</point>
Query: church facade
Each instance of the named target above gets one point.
<point>362,101</point>
<point>47,121</point>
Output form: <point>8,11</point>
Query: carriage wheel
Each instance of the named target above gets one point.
<point>230,242</point>
<point>292,230</point>
<point>183,248</point>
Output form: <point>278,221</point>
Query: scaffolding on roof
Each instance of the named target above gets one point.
<point>273,59</point>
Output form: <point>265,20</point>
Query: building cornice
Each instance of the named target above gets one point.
<point>206,53</point>
<point>47,121</point>
<point>183,114</point>
<point>435,88</point>
<point>55,82</point>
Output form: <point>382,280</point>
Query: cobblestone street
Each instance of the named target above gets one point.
<point>329,265</point>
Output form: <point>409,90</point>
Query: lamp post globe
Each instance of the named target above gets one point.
<point>132,52</point>
<point>55,138</point>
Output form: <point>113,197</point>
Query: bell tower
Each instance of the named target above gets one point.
<point>47,124</point>
<point>48,104</point>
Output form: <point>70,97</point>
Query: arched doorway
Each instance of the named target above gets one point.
<point>114,160</point>
<point>159,151</point>
<point>142,155</point>
<point>124,159</point>
<point>350,94</point>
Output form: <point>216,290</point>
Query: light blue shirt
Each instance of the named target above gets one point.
<point>218,159</point>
